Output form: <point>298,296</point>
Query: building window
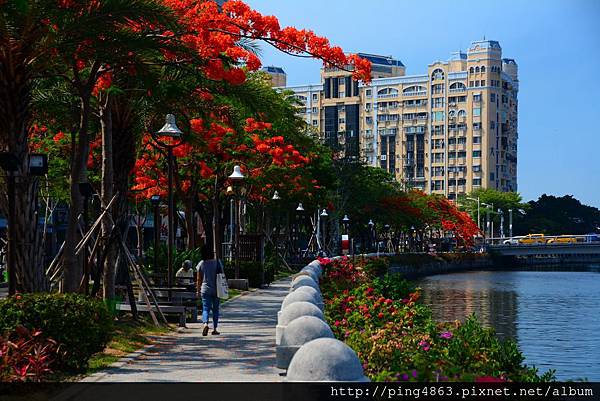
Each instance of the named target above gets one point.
<point>315,110</point>
<point>369,92</point>
<point>482,68</point>
<point>341,93</point>
<point>341,81</point>
<point>477,69</point>
<point>369,120</point>
<point>341,120</point>
<point>477,112</point>
<point>492,124</point>
<point>493,98</point>
<point>315,123</point>
<point>451,114</point>
<point>471,70</point>
<point>437,116</point>
<point>437,74</point>
<point>471,83</point>
<point>476,83</point>
<point>315,96</point>
<point>476,98</point>
<point>462,113</point>
<point>477,153</point>
<point>477,181</point>
<point>492,177</point>
<point>476,169</point>
<point>483,82</point>
<point>476,139</point>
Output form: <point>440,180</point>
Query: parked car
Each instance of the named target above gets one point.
<point>533,239</point>
<point>562,239</point>
<point>512,241</point>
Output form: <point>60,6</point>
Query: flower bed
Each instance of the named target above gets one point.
<point>396,338</point>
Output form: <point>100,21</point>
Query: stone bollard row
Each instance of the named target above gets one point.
<point>306,346</point>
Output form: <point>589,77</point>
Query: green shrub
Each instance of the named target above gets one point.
<point>179,256</point>
<point>80,325</point>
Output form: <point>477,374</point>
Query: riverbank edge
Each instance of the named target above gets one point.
<point>415,266</point>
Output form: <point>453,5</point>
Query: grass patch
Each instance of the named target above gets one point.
<point>282,274</point>
<point>128,336</point>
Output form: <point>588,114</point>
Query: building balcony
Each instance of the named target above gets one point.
<point>415,93</point>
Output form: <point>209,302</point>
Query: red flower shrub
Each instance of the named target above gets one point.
<point>26,356</point>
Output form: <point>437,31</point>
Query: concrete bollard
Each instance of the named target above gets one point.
<point>302,295</point>
<point>312,291</point>
<point>315,266</point>
<point>309,273</point>
<point>304,281</point>
<point>297,333</point>
<point>292,312</point>
<point>325,360</point>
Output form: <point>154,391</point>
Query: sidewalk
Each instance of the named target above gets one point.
<point>244,352</point>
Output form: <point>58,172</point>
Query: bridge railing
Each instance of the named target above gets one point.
<point>547,240</point>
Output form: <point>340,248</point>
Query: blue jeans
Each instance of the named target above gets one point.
<point>210,302</point>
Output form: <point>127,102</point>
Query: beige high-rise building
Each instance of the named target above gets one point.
<point>449,131</point>
<point>278,76</point>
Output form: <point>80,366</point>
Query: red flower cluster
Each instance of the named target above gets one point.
<point>215,33</point>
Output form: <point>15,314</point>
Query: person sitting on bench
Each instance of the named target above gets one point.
<point>185,275</point>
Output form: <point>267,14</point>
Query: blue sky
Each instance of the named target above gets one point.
<point>556,44</point>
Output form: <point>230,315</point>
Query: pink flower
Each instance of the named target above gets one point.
<point>424,345</point>
<point>446,335</point>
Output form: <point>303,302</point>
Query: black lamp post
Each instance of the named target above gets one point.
<point>155,201</point>
<point>236,179</point>
<point>372,234</point>
<point>170,130</point>
<point>299,211</point>
<point>324,216</point>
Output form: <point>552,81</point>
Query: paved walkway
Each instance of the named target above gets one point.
<point>244,352</point>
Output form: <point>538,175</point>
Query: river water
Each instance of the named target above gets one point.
<point>553,315</point>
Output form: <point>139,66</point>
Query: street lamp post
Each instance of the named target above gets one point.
<point>489,225</point>
<point>323,216</point>
<point>478,214</point>
<point>372,235</point>
<point>348,244</point>
<point>501,212</point>
<point>299,211</point>
<point>510,231</point>
<point>170,130</point>
<point>236,178</point>
<point>155,201</point>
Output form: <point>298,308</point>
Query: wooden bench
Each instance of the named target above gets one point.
<point>171,309</point>
<point>185,298</point>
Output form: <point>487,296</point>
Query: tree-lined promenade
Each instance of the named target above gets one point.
<point>84,90</point>
<point>88,86</point>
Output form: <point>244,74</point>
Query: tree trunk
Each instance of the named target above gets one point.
<point>108,278</point>
<point>15,120</point>
<point>73,267</point>
<point>189,223</point>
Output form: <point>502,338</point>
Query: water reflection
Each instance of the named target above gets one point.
<point>552,314</point>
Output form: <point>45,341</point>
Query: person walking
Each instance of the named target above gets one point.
<point>206,286</point>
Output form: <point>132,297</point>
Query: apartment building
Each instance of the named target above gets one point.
<point>449,131</point>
